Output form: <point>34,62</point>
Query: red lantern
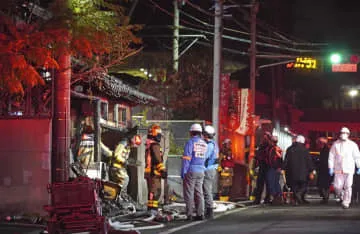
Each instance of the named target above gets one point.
<point>354,59</point>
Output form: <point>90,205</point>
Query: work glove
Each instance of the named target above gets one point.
<point>219,169</point>
<point>331,171</point>
<point>358,171</point>
<point>164,174</point>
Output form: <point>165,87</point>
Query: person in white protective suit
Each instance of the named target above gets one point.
<point>343,156</point>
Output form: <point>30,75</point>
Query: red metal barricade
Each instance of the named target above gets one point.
<point>75,207</point>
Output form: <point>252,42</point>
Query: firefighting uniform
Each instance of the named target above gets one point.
<point>154,171</point>
<point>211,165</point>
<point>342,158</point>
<point>117,171</point>
<point>86,150</point>
<point>226,172</point>
<point>192,173</point>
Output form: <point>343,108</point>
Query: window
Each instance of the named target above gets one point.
<point>120,116</point>
<point>104,110</point>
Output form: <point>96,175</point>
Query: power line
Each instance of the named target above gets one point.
<point>268,26</point>
<point>230,37</point>
<point>197,7</point>
<point>245,53</point>
<point>172,15</point>
<point>259,36</point>
<point>258,43</point>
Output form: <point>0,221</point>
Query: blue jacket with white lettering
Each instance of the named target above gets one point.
<point>194,156</point>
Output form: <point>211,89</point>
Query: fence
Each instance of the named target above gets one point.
<point>177,134</point>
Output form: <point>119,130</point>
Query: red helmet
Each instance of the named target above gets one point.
<point>136,140</point>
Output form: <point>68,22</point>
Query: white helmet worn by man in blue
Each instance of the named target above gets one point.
<point>196,128</point>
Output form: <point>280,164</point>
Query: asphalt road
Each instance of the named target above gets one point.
<point>313,218</point>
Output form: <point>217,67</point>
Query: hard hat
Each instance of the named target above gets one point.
<point>154,130</point>
<point>300,139</point>
<point>345,130</point>
<point>210,130</point>
<point>226,141</point>
<point>196,128</point>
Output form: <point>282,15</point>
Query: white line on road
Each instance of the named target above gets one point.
<point>172,230</point>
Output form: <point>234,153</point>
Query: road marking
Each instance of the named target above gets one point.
<point>172,230</point>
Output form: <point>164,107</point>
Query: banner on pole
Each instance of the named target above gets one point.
<point>224,105</point>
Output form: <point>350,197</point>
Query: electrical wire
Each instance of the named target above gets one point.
<point>247,33</point>
<point>172,15</point>
<point>230,37</point>
<point>197,7</point>
<point>262,55</point>
<point>276,31</point>
<point>249,41</point>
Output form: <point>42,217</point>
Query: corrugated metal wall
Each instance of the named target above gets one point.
<point>284,139</point>
<point>25,164</point>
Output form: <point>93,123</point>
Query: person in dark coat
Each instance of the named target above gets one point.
<point>297,167</point>
<point>263,167</point>
<point>324,179</point>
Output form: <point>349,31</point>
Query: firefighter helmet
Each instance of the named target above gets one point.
<point>154,132</point>
<point>136,140</point>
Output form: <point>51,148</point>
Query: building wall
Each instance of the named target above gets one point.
<point>25,165</point>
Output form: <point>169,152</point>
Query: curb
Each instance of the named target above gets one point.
<point>25,225</point>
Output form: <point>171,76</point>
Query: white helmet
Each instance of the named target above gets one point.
<point>210,130</point>
<point>300,139</point>
<point>196,128</point>
<point>345,130</point>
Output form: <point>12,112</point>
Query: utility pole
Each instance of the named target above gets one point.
<point>217,64</point>
<point>254,10</point>
<point>176,36</point>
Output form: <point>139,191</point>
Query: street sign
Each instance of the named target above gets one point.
<point>344,67</point>
<point>303,63</point>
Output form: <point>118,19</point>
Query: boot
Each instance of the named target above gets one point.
<point>209,213</point>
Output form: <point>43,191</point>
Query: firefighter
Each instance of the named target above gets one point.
<point>343,156</point>
<point>211,165</point>
<point>226,170</point>
<point>154,167</point>
<point>192,172</point>
<point>118,161</point>
<point>86,151</point>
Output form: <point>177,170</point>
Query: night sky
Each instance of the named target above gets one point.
<point>325,21</point>
<point>334,22</point>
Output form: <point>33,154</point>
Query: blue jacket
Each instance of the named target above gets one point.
<point>212,155</point>
<point>194,156</point>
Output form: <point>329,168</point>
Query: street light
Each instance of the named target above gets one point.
<point>353,92</point>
